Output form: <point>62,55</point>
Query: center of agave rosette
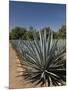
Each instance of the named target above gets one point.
<point>43,74</point>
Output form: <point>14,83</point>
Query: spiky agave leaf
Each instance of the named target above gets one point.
<point>44,60</point>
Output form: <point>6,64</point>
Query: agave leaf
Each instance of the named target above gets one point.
<point>44,49</point>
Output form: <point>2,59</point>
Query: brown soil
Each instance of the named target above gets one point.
<point>16,82</point>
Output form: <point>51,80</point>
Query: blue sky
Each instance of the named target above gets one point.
<point>38,15</point>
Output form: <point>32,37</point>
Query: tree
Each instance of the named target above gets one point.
<point>17,33</point>
<point>62,32</point>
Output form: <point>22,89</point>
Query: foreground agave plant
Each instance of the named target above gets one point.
<point>43,60</point>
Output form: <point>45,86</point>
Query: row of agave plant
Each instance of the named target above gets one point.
<point>43,59</point>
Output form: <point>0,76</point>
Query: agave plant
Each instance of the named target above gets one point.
<point>43,60</point>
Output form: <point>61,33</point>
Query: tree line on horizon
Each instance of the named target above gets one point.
<point>22,33</point>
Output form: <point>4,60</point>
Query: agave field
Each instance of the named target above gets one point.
<point>43,60</point>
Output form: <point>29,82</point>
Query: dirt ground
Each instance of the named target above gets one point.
<point>15,82</point>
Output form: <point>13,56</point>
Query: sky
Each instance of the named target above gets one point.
<point>37,15</point>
